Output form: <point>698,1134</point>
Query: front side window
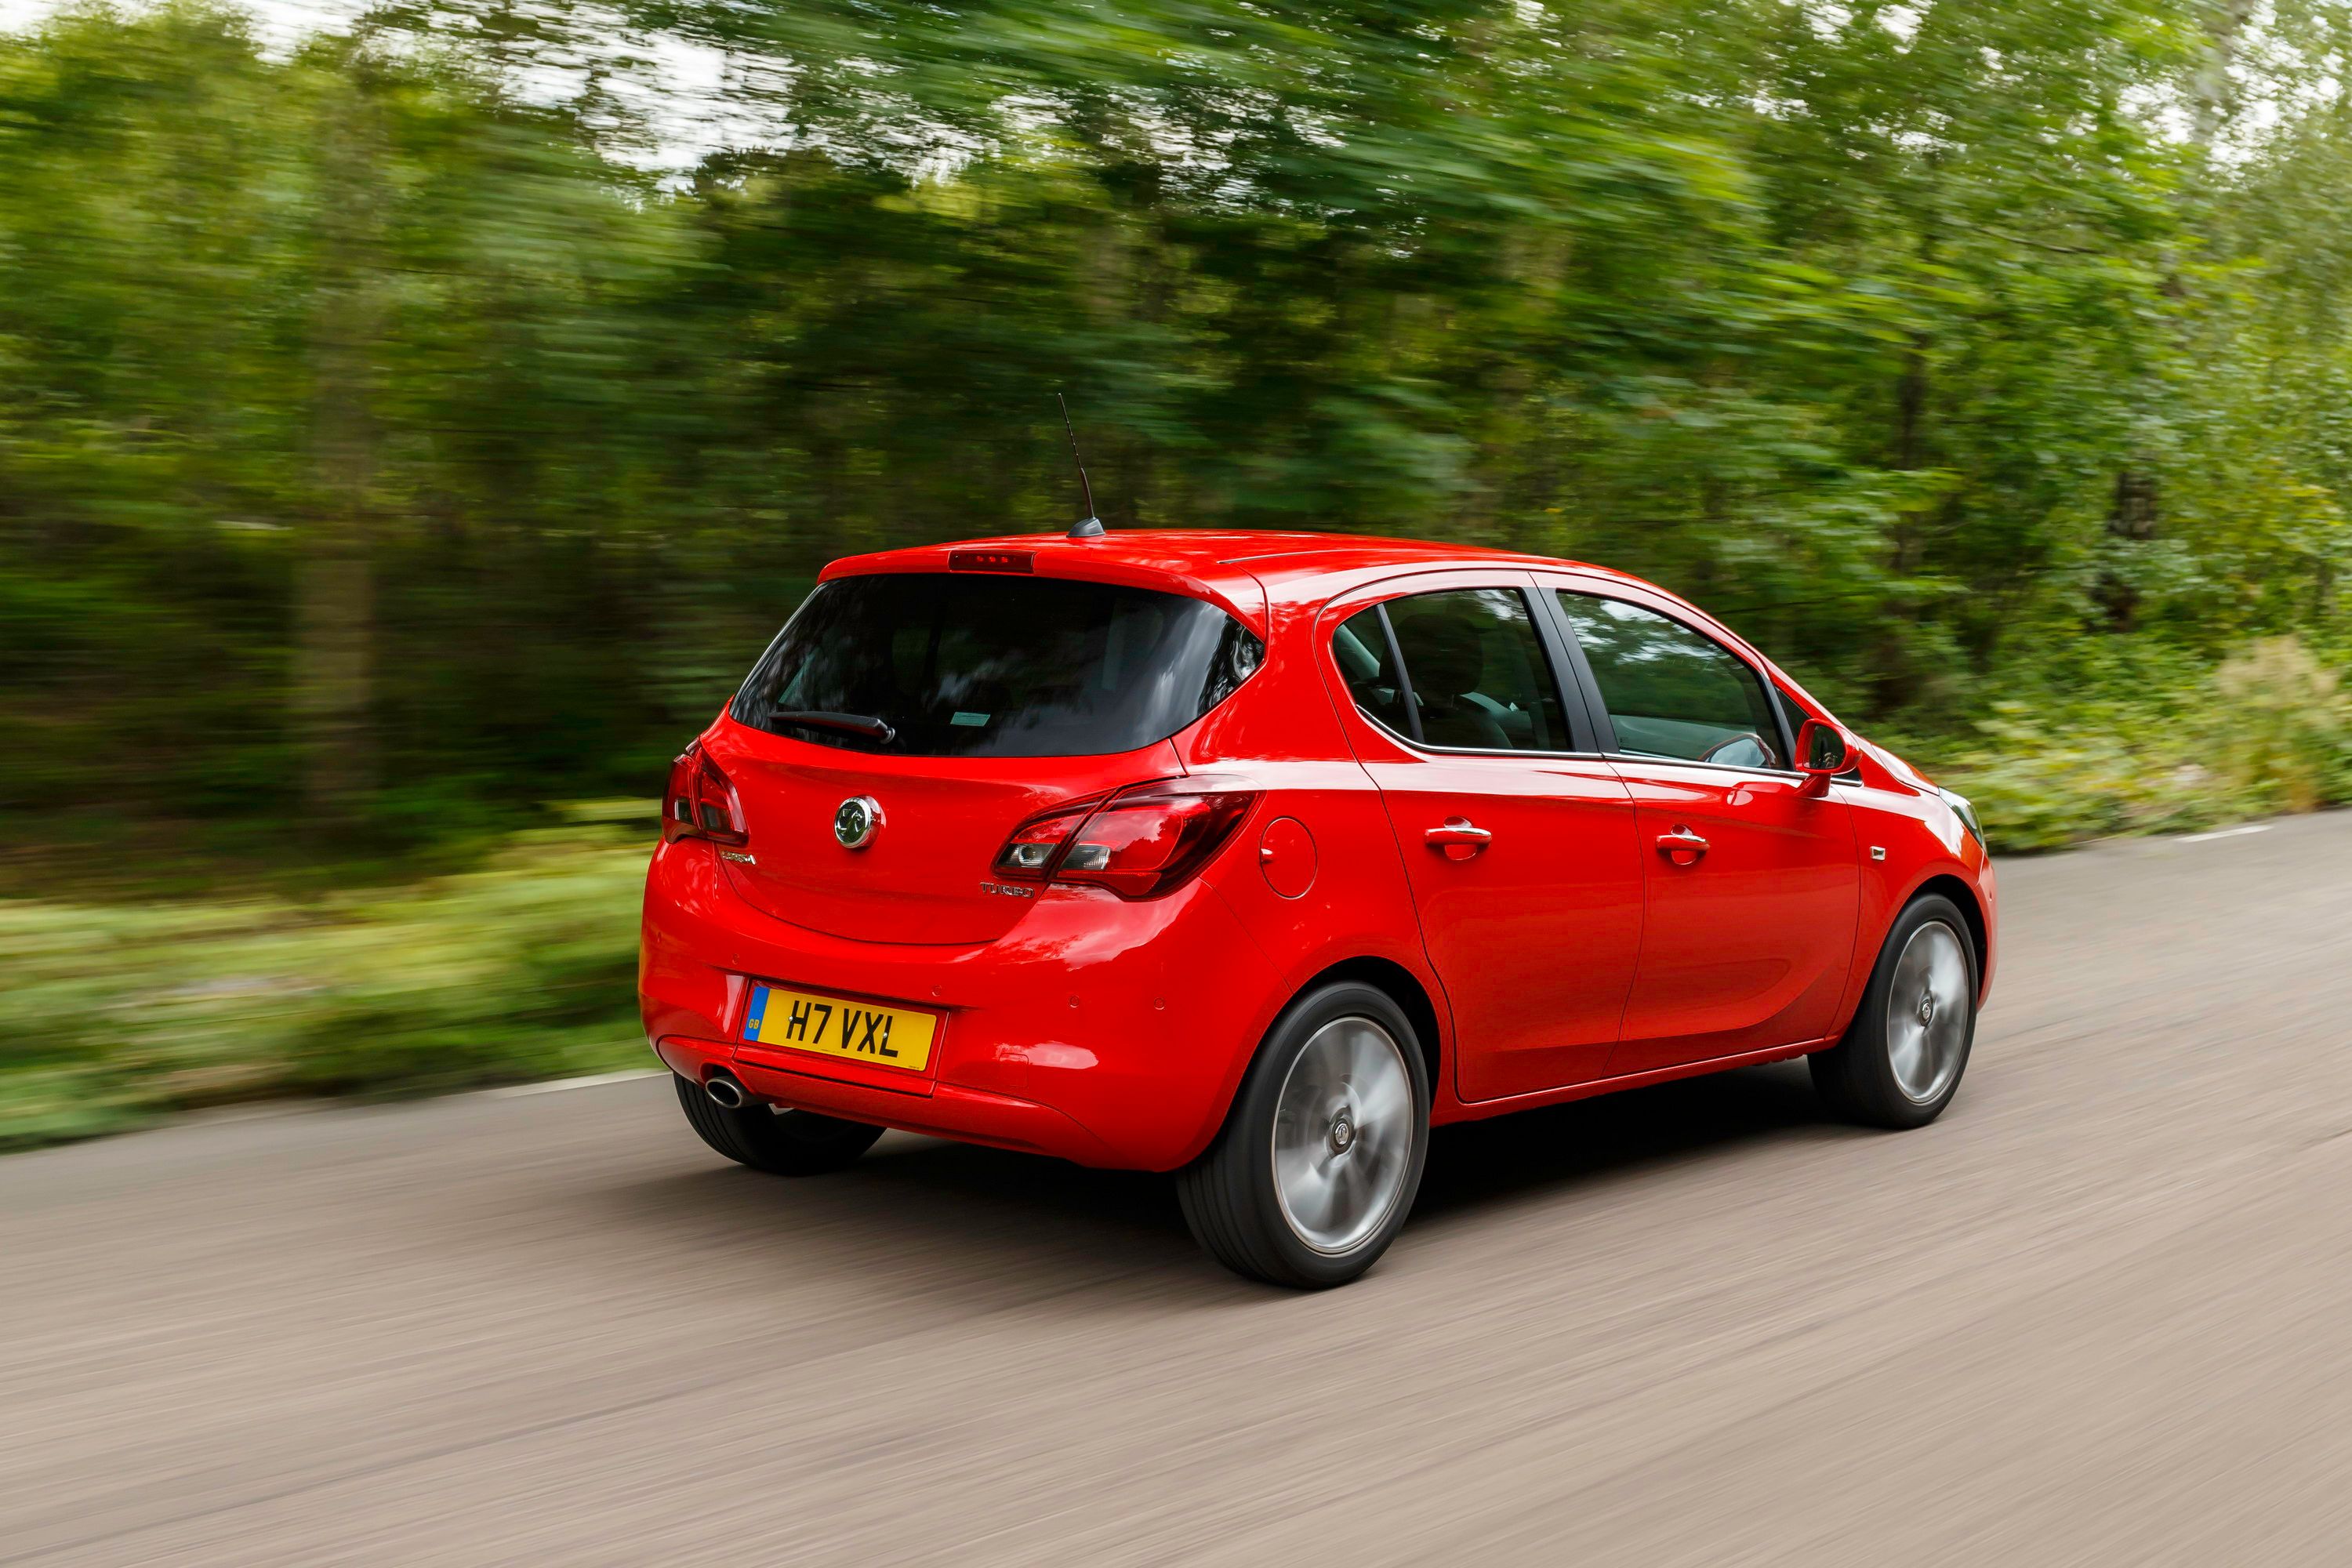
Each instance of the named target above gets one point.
<point>1673,692</point>
<point>1473,677</point>
<point>934,665</point>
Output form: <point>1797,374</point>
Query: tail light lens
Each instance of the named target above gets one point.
<point>1029,855</point>
<point>1139,843</point>
<point>700,803</point>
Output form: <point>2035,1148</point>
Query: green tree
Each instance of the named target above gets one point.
<point>281,326</point>
<point>381,446</point>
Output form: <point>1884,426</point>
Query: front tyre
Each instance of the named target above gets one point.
<point>1317,1165</point>
<point>783,1142</point>
<point>1901,1060</point>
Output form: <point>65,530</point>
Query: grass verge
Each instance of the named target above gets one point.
<point>522,967</point>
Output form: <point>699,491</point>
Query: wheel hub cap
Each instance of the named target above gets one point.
<point>1343,1134</point>
<point>1925,1038</point>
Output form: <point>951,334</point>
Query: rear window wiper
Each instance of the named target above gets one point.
<point>847,724</point>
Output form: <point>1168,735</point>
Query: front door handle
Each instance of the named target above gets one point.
<point>1682,847</point>
<point>1458,839</point>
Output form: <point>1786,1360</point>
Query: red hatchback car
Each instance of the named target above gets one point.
<point>1254,855</point>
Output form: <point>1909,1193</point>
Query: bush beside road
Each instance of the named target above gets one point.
<point>523,967</point>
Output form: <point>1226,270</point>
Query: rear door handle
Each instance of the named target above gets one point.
<point>1458,839</point>
<point>1683,846</point>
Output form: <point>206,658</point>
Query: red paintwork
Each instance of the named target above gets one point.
<point>1568,957</point>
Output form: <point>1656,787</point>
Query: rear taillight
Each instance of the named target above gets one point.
<point>1029,855</point>
<point>700,803</point>
<point>1139,843</point>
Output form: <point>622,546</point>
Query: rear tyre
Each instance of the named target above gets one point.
<point>1902,1057</point>
<point>785,1142</point>
<point>1320,1156</point>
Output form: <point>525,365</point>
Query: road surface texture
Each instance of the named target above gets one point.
<point>2098,1313</point>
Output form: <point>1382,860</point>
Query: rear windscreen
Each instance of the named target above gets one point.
<point>990,665</point>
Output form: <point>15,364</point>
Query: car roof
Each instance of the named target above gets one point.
<point>1246,571</point>
<point>1239,568</point>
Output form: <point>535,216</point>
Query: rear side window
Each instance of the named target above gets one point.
<point>1473,676</point>
<point>989,665</point>
<point>1671,691</point>
<point>1361,647</point>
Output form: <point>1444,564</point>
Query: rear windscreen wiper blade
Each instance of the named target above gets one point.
<point>848,724</point>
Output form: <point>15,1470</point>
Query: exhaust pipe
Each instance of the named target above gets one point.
<point>725,1091</point>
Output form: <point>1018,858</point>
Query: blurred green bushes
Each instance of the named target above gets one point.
<point>2157,748</point>
<point>522,967</point>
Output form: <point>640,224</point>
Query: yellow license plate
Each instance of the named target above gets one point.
<point>834,1026</point>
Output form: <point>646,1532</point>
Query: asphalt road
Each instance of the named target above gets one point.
<point>2096,1314</point>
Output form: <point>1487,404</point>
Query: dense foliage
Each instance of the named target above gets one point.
<point>383,453</point>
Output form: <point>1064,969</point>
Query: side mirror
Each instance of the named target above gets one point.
<point>1821,748</point>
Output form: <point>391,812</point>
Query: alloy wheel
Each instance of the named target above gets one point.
<point>1928,1011</point>
<point>1343,1131</point>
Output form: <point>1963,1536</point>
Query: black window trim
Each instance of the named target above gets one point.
<point>1576,710</point>
<point>1404,675</point>
<point>1606,731</point>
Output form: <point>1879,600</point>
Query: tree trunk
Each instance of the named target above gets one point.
<point>2133,519</point>
<point>334,684</point>
<point>2137,513</point>
<point>2212,91</point>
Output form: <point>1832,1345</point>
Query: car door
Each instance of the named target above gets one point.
<point>1751,877</point>
<point>1518,838</point>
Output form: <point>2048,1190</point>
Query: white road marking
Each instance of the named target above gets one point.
<point>2225,833</point>
<point>517,1090</point>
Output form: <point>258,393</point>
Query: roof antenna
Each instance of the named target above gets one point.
<point>1089,526</point>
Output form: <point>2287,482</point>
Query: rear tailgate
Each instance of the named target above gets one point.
<point>925,875</point>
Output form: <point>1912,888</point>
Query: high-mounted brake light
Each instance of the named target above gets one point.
<point>992,561</point>
<point>1140,842</point>
<point>700,803</point>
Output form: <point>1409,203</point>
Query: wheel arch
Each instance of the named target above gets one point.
<point>1397,982</point>
<point>1971,910</point>
<point>1402,987</point>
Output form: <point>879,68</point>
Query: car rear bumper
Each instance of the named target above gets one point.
<point>974,1115</point>
<point>1105,1032</point>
